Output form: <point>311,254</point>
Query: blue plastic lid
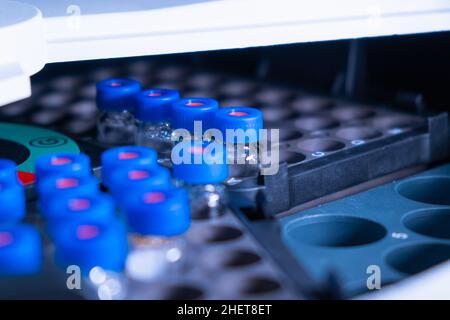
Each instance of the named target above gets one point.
<point>20,250</point>
<point>155,105</point>
<point>186,111</point>
<point>125,181</point>
<point>244,118</point>
<point>158,212</point>
<point>60,185</point>
<point>80,207</point>
<point>12,202</point>
<point>117,94</point>
<point>197,162</point>
<point>91,244</point>
<point>62,163</point>
<point>123,157</point>
<point>8,171</point>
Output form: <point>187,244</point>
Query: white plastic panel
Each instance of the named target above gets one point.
<point>71,30</point>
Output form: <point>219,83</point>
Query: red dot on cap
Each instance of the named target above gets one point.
<point>154,94</point>
<point>6,239</point>
<point>60,161</point>
<point>79,204</point>
<point>154,197</point>
<point>86,232</point>
<point>238,113</point>
<point>66,183</point>
<point>116,84</point>
<point>138,174</point>
<point>127,155</point>
<point>194,104</point>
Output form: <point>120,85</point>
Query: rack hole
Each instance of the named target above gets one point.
<point>260,285</point>
<point>241,258</point>
<point>218,234</point>
<point>352,113</point>
<point>431,190</point>
<point>315,123</point>
<point>358,133</point>
<point>335,231</point>
<point>320,145</point>
<point>413,259</point>
<point>433,223</point>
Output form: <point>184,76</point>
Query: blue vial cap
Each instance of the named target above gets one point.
<point>186,111</point>
<point>20,250</point>
<point>12,202</point>
<point>155,105</point>
<point>244,118</point>
<point>123,157</point>
<point>91,244</point>
<point>57,186</point>
<point>158,212</point>
<point>62,163</point>
<point>117,94</point>
<point>128,179</point>
<point>8,171</point>
<point>80,207</point>
<point>197,162</point>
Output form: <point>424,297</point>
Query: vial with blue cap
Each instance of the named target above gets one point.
<point>62,163</point>
<point>20,250</point>
<point>78,207</point>
<point>116,101</point>
<point>60,185</point>
<point>241,133</point>
<point>124,157</point>
<point>158,220</point>
<point>192,117</point>
<point>99,250</point>
<point>153,117</point>
<point>127,180</point>
<point>12,194</point>
<point>201,167</point>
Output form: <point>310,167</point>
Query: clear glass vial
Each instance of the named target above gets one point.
<point>241,131</point>
<point>158,220</point>
<point>202,172</point>
<point>116,100</point>
<point>153,118</point>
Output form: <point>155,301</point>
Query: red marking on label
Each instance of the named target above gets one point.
<point>60,161</point>
<point>66,183</point>
<point>26,178</point>
<point>127,155</point>
<point>87,232</point>
<point>238,114</point>
<point>195,104</point>
<point>154,197</point>
<point>116,84</point>
<point>79,204</point>
<point>154,94</point>
<point>138,174</point>
<point>6,239</point>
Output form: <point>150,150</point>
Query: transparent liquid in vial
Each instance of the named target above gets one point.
<point>157,136</point>
<point>116,128</point>
<point>243,162</point>
<point>207,201</point>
